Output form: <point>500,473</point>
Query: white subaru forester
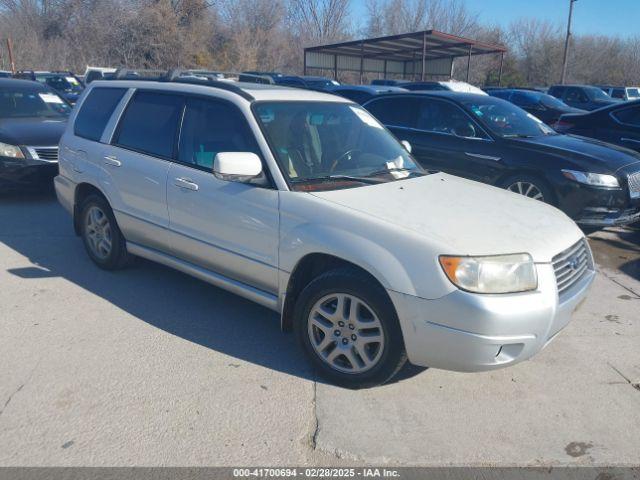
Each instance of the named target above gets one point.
<point>301,201</point>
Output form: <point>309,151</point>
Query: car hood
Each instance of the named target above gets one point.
<point>464,217</point>
<point>600,157</point>
<point>33,131</point>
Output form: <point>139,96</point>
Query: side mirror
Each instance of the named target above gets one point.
<point>406,145</point>
<point>240,167</point>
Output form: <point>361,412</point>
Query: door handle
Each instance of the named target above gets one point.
<point>113,161</point>
<point>484,157</point>
<point>186,183</point>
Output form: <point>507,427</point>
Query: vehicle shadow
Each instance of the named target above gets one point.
<point>36,226</point>
<point>619,248</point>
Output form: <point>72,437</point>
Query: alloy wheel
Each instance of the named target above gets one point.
<point>527,189</point>
<point>98,232</point>
<point>346,333</point>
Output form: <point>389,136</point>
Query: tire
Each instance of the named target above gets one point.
<point>98,228</point>
<point>335,343</point>
<point>519,183</point>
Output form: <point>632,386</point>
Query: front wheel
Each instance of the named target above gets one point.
<point>349,329</point>
<point>529,186</point>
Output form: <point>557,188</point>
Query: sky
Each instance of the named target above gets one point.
<point>606,17</point>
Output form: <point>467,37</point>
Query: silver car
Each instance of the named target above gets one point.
<point>304,203</point>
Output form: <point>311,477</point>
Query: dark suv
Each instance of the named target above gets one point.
<point>32,120</point>
<point>585,97</point>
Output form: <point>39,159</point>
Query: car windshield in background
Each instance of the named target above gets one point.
<point>62,83</point>
<point>15,103</point>
<point>551,101</point>
<point>633,92</point>
<point>324,145</point>
<point>507,120</point>
<point>597,93</point>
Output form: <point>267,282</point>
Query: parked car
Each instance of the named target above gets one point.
<point>304,203</point>
<point>490,140</point>
<point>310,83</point>
<point>5,74</point>
<point>453,86</point>
<point>32,120</point>
<point>66,84</point>
<point>585,97</point>
<point>618,124</point>
<point>622,93</point>
<point>363,93</point>
<point>98,73</point>
<point>546,107</point>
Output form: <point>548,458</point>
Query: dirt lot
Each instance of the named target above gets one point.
<point>151,367</point>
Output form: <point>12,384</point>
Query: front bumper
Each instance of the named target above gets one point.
<point>25,171</point>
<point>468,332</point>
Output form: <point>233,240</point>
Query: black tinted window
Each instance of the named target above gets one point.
<point>576,95</point>
<point>355,95</point>
<point>399,112</point>
<point>444,117</point>
<point>149,123</point>
<point>96,111</point>
<point>630,116</point>
<point>210,127</point>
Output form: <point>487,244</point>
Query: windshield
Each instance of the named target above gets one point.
<point>32,103</point>
<point>507,120</point>
<point>61,83</point>
<point>552,102</point>
<point>326,145</point>
<point>597,93</point>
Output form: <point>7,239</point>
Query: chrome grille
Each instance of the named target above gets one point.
<point>48,154</point>
<point>634,185</point>
<point>571,264</point>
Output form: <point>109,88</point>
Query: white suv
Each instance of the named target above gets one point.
<point>303,202</point>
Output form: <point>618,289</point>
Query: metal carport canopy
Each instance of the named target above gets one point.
<point>428,52</point>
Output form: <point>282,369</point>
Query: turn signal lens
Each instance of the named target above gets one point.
<point>491,274</point>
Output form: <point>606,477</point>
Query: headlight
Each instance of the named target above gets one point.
<point>492,274</point>
<point>595,179</point>
<point>11,151</point>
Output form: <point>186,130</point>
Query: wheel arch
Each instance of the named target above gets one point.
<point>82,191</point>
<point>529,173</point>
<point>309,267</point>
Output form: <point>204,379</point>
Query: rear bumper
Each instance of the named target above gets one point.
<point>469,333</point>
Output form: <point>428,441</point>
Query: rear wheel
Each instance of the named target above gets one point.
<point>102,238</point>
<point>349,329</point>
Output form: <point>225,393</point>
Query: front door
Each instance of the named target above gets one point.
<point>227,227</point>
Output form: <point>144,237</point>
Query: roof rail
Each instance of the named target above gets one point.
<point>194,77</point>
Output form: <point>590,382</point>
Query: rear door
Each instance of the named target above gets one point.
<point>227,227</point>
<point>624,128</point>
<point>137,164</point>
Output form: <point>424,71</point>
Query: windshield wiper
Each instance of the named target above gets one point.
<point>331,178</point>
<point>517,135</point>
<point>396,169</point>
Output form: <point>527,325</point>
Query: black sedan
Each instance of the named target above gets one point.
<point>585,97</point>
<point>545,107</point>
<point>32,120</point>
<point>619,124</point>
<point>491,140</point>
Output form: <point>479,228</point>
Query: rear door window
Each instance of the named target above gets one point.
<point>576,95</point>
<point>628,116</point>
<point>210,127</point>
<point>150,123</point>
<point>394,112</point>
<point>96,111</point>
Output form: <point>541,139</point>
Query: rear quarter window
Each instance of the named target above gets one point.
<point>95,112</point>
